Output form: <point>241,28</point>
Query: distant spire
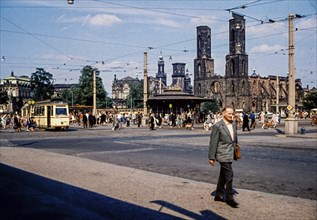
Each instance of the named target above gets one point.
<point>12,73</point>
<point>161,57</point>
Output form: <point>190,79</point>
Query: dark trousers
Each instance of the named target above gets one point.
<point>224,185</point>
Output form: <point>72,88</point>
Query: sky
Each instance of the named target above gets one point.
<point>112,36</point>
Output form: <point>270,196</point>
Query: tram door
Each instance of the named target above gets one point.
<point>49,116</point>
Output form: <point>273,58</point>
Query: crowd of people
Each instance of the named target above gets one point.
<point>15,121</point>
<point>246,121</point>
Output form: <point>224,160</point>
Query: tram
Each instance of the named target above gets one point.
<point>47,114</point>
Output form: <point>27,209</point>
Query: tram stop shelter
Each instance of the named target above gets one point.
<point>174,102</point>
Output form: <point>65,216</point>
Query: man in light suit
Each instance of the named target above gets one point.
<point>223,141</point>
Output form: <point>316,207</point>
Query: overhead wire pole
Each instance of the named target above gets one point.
<point>145,86</point>
<point>291,124</point>
<point>94,92</point>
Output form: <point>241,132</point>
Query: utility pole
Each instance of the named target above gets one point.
<point>145,85</point>
<point>145,117</point>
<point>277,94</point>
<point>291,124</point>
<point>94,92</point>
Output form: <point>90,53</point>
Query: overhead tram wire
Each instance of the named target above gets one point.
<point>159,11</point>
<point>54,48</point>
<point>124,45</point>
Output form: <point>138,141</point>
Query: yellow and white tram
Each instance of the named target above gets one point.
<point>47,114</point>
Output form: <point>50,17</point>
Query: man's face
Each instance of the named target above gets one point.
<point>228,114</point>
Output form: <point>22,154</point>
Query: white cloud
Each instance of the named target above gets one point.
<point>308,23</point>
<point>94,20</point>
<point>266,29</point>
<point>264,48</point>
<point>202,20</point>
<point>167,22</point>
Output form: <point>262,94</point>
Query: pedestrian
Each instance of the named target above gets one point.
<point>223,141</point>
<point>31,124</point>
<point>139,119</point>
<point>152,123</point>
<point>245,122</point>
<point>253,123</point>
<point>123,121</point>
<point>91,120</point>
<point>17,123</point>
<point>85,120</point>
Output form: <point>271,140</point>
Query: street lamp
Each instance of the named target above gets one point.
<point>70,2</point>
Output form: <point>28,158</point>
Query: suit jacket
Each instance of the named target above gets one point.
<point>222,146</point>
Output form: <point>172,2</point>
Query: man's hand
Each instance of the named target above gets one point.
<point>212,162</point>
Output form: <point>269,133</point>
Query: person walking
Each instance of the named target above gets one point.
<point>85,121</point>
<point>245,122</point>
<point>222,144</point>
<point>139,119</point>
<point>253,123</point>
<point>152,119</point>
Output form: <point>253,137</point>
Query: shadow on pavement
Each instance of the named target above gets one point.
<point>25,195</point>
<point>205,214</point>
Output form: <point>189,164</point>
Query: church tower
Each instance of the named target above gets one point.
<point>203,64</point>
<point>237,89</point>
<point>161,75</point>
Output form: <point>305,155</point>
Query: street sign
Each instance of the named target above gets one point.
<point>289,107</point>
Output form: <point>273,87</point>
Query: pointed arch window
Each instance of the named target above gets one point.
<point>199,71</point>
<point>232,68</point>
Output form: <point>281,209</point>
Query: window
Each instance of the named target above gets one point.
<point>199,71</point>
<point>61,111</point>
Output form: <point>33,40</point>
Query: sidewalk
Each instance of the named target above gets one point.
<point>54,186</point>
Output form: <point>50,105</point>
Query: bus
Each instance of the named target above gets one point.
<point>47,114</point>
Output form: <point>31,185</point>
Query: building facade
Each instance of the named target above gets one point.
<point>121,90</point>
<point>156,85</point>
<point>236,88</point>
<point>19,91</point>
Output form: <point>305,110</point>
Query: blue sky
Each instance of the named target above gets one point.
<point>112,35</point>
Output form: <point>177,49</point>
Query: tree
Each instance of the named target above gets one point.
<point>42,84</point>
<point>212,106</point>
<point>84,92</point>
<point>310,101</point>
<point>4,98</point>
<point>135,95</point>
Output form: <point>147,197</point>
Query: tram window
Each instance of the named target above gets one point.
<point>61,111</point>
<point>42,111</point>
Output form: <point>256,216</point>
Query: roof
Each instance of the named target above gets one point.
<point>177,96</point>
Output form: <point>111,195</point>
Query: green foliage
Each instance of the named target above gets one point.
<point>310,101</point>
<point>212,106</point>
<point>42,84</point>
<point>83,94</point>
<point>3,97</point>
<point>135,97</point>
